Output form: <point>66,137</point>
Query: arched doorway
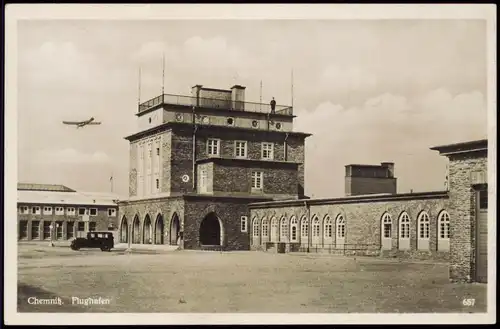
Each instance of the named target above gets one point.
<point>159,230</point>
<point>175,227</point>
<point>211,231</point>
<point>124,230</point>
<point>147,230</point>
<point>136,230</point>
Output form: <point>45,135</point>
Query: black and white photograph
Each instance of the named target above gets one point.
<point>250,164</point>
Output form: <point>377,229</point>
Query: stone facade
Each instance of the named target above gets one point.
<point>362,223</point>
<point>190,210</point>
<point>463,190</point>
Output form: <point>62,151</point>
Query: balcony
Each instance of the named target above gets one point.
<point>214,103</point>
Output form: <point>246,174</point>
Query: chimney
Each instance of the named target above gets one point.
<point>390,168</point>
<point>238,97</point>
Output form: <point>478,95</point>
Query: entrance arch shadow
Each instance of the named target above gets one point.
<point>211,231</point>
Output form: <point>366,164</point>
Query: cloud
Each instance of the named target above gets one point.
<point>388,128</point>
<point>64,66</point>
<point>347,79</point>
<point>71,156</point>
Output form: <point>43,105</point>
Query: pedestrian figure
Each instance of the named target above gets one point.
<point>273,106</point>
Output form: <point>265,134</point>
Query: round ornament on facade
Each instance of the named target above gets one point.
<point>179,117</point>
<point>230,121</point>
<point>255,123</point>
<point>278,125</point>
<point>185,178</point>
<point>205,120</point>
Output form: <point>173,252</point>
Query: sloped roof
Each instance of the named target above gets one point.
<point>66,198</point>
<point>43,187</point>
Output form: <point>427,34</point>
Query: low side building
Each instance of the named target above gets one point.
<point>447,225</point>
<point>70,213</point>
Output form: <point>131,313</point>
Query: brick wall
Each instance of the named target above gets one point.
<point>363,223</point>
<point>237,178</point>
<point>295,153</point>
<point>462,211</point>
<point>229,212</point>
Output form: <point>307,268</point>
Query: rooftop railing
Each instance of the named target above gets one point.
<point>214,103</point>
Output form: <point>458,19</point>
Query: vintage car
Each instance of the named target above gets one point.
<point>101,240</point>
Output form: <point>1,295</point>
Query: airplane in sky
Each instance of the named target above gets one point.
<point>80,124</point>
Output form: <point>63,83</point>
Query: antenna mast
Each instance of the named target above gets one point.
<point>163,76</point>
<point>139,93</point>
<point>261,94</point>
<point>292,88</point>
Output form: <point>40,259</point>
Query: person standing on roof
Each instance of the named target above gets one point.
<point>273,106</point>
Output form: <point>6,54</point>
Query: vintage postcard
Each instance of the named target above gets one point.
<point>250,164</point>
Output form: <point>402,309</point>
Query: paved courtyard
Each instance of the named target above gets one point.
<point>197,281</point>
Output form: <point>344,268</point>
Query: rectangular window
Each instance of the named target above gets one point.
<point>82,211</point>
<point>213,146</point>
<point>70,227</point>
<point>93,211</point>
<point>35,210</point>
<point>35,229</point>
<point>81,227</point>
<point>46,230</point>
<point>244,220</point>
<point>268,151</point>
<point>70,211</point>
<point>24,210</point>
<point>59,230</point>
<point>47,210</point>
<point>59,211</point>
<point>111,212</point>
<point>157,151</point>
<point>92,226</point>
<point>240,149</point>
<point>111,226</point>
<point>23,229</point>
<point>257,180</point>
<point>157,184</point>
<point>483,199</point>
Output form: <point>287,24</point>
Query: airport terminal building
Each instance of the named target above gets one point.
<point>212,171</point>
<point>57,212</point>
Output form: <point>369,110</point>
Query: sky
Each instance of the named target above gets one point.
<point>369,91</point>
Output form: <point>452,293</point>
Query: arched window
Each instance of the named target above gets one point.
<point>444,225</point>
<point>386,228</point>
<point>387,225</point>
<point>404,231</point>
<point>316,228</point>
<point>328,227</point>
<point>293,228</point>
<point>255,226</point>
<point>443,242</point>
<point>404,226</point>
<point>424,226</point>
<point>340,227</point>
<point>265,227</point>
<point>284,227</point>
<point>304,227</point>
